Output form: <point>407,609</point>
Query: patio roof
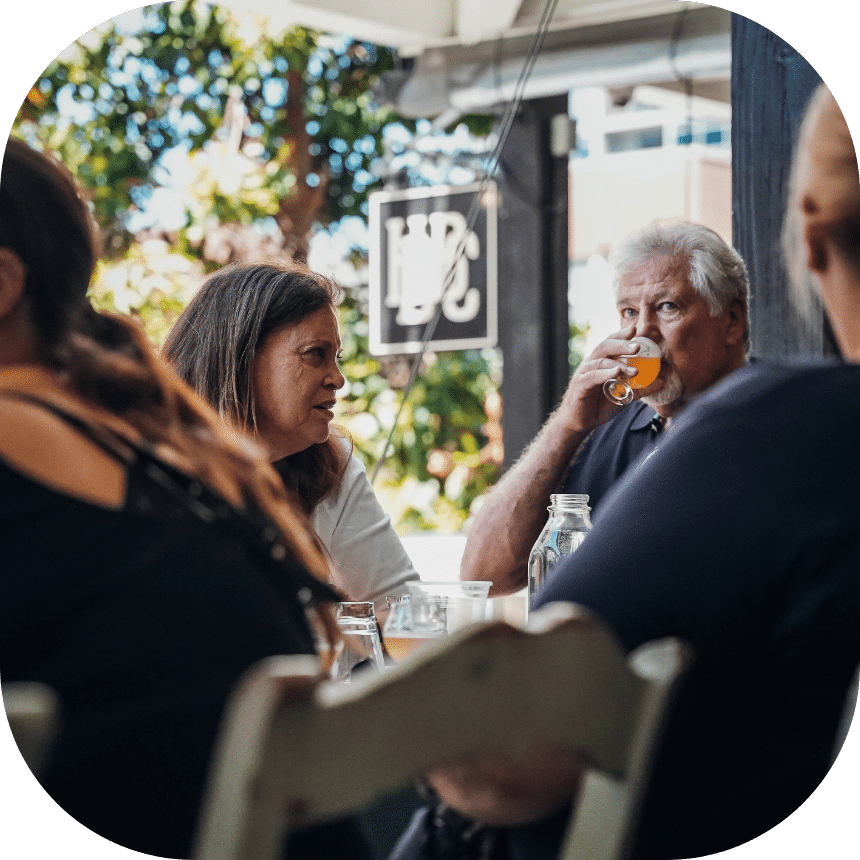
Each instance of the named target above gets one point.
<point>466,55</point>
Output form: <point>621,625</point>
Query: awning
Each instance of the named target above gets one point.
<point>466,56</point>
<point>622,55</point>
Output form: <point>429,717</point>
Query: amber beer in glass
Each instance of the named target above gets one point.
<point>648,367</point>
<point>400,647</point>
<point>646,362</point>
<point>431,610</point>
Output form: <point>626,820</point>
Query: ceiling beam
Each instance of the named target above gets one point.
<point>482,76</point>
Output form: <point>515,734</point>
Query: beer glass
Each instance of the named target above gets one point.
<point>431,610</point>
<point>362,647</point>
<point>647,363</point>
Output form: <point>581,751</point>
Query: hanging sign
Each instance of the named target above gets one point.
<point>416,237</point>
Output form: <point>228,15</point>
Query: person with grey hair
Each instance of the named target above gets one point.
<point>740,536</point>
<point>677,283</point>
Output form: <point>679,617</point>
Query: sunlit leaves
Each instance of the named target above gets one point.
<point>263,137</point>
<point>165,76</point>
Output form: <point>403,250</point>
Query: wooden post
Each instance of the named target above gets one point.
<point>533,280</point>
<point>771,85</point>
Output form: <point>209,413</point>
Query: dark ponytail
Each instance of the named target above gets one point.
<point>46,222</point>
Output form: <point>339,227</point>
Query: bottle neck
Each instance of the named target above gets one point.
<point>575,503</point>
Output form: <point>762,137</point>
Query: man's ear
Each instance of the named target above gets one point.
<point>816,251</point>
<point>737,314</point>
<point>13,274</point>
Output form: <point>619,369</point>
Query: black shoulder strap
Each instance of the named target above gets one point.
<point>127,453</point>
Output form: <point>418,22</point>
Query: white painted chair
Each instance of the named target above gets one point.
<point>32,710</point>
<point>296,750</point>
<point>848,711</point>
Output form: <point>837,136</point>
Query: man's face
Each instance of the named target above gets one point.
<point>698,349</point>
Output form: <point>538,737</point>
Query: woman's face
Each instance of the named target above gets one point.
<point>295,377</point>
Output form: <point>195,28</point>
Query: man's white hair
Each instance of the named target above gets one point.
<point>716,271</point>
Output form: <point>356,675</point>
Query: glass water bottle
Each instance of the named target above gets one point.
<point>565,530</point>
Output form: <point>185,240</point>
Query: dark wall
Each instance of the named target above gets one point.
<point>771,85</point>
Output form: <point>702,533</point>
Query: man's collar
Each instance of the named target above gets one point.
<point>647,415</point>
<point>644,420</point>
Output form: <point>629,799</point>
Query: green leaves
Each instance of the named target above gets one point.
<point>278,134</point>
<point>446,448</point>
<point>295,104</point>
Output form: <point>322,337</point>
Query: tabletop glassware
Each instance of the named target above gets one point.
<point>431,610</point>
<point>647,363</point>
<point>566,527</point>
<point>362,646</point>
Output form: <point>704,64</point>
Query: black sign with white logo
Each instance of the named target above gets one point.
<point>416,236</point>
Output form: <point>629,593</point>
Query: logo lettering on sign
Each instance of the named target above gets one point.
<point>419,261</point>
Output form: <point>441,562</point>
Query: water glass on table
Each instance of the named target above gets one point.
<point>362,647</point>
<point>429,611</point>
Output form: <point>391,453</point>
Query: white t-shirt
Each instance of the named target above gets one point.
<point>369,559</point>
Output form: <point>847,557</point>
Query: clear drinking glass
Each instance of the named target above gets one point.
<point>646,361</point>
<point>362,646</point>
<point>431,610</point>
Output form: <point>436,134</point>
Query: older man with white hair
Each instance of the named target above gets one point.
<point>739,536</point>
<point>678,284</point>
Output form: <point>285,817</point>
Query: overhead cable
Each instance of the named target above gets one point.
<point>490,168</point>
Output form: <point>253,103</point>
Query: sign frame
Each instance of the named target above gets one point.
<point>481,270</point>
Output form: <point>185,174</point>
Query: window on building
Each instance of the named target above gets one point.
<point>637,138</point>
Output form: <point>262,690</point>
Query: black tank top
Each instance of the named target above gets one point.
<point>142,620</point>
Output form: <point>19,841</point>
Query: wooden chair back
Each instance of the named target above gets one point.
<point>296,750</point>
<point>32,710</point>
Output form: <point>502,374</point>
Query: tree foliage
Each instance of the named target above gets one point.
<point>288,122</point>
<point>264,138</point>
<point>446,445</point>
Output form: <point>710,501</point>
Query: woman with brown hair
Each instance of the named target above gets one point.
<point>149,555</point>
<point>261,343</point>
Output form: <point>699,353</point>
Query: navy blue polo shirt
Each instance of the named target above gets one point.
<point>609,451</point>
<point>740,535</point>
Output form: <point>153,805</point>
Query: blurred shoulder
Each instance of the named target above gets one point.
<point>44,447</point>
<point>782,394</point>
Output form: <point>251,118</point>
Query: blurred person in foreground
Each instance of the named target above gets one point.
<point>261,343</point>
<point>149,555</point>
<point>755,563</point>
<point>677,283</point>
